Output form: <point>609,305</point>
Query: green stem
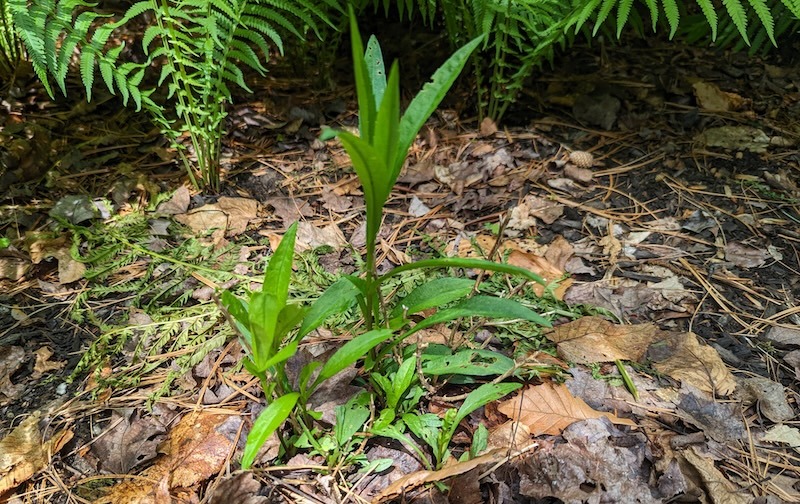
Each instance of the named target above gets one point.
<point>372,283</point>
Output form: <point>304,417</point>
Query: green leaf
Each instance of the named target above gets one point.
<point>263,314</point>
<point>366,99</point>
<point>350,418</point>
<point>372,171</point>
<point>338,298</point>
<point>351,351</point>
<point>385,136</point>
<point>279,269</point>
<point>375,69</point>
<point>586,12</point>
<point>289,317</point>
<point>623,13</point>
<point>480,440</point>
<point>602,15</point>
<point>765,15</point>
<point>673,15</point>
<point>425,427</point>
<point>238,310</point>
<point>481,306</point>
<point>426,101</point>
<point>468,362</point>
<point>483,395</point>
<point>457,262</point>
<point>652,6</point>
<point>433,294</point>
<point>403,379</point>
<point>710,12</point>
<point>267,422</point>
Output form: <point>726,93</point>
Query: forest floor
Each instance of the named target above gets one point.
<point>656,186</point>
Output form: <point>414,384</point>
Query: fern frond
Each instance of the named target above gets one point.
<point>707,7</point>
<point>602,14</point>
<point>762,10</point>
<point>586,13</point>
<point>738,16</point>
<point>673,15</point>
<point>623,14</point>
<point>652,6</point>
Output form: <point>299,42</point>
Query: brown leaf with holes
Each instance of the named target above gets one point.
<point>681,356</point>
<point>549,408</point>
<point>198,447</point>
<point>594,339</point>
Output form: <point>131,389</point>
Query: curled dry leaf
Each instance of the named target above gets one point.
<point>594,339</point>
<point>419,478</point>
<point>23,452</point>
<point>681,356</point>
<point>550,408</point>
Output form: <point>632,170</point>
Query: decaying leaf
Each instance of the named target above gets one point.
<point>11,359</point>
<point>783,434</point>
<point>716,485</point>
<point>594,339</point>
<point>681,356</point>
<point>197,448</point>
<point>44,364</point>
<point>596,462</point>
<point>23,452</point>
<point>419,478</point>
<point>549,408</point>
<point>129,441</point>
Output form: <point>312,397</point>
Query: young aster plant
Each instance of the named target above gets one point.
<point>380,150</point>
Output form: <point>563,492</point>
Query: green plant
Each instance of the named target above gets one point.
<point>11,49</point>
<point>521,34</point>
<point>437,432</point>
<point>266,322</point>
<point>199,45</point>
<point>378,155</point>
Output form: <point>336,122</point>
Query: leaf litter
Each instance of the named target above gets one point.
<point>682,263</point>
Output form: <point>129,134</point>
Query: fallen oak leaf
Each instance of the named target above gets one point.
<point>549,408</point>
<point>594,339</point>
<point>681,356</point>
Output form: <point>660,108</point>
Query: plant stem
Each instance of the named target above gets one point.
<point>372,283</point>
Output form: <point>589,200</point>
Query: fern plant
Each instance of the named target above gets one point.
<point>200,46</point>
<point>11,50</point>
<point>522,34</point>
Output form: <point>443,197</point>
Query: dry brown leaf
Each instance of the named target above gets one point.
<point>711,97</point>
<point>11,359</point>
<point>719,488</point>
<point>197,448</point>
<point>240,212</point>
<point>44,364</point>
<point>177,204</point>
<point>311,237</point>
<point>419,478</point>
<point>549,408</point>
<point>23,453</point>
<point>525,254</point>
<point>594,339</point>
<point>206,218</point>
<point>682,357</point>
